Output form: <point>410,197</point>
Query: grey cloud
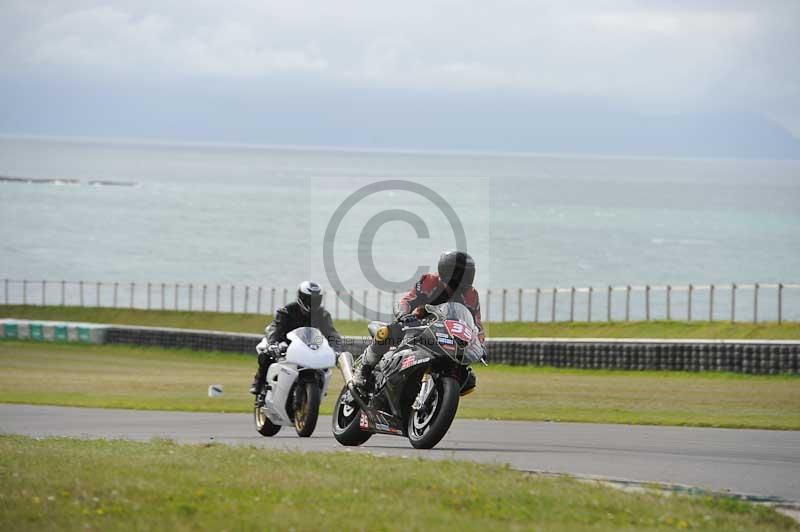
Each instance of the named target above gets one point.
<point>657,57</point>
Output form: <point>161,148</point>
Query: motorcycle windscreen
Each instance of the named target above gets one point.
<point>310,336</point>
<point>456,312</point>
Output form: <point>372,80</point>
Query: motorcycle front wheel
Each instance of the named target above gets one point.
<point>346,420</point>
<point>306,408</point>
<point>427,426</point>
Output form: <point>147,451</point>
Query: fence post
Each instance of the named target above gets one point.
<point>780,302</point>
<point>217,305</point>
<point>97,293</point>
<point>647,302</point>
<point>133,284</point>
<point>246,297</point>
<point>349,312</point>
<point>191,293</point>
<point>80,289</point>
<point>755,303</point>
<point>733,303</point>
<point>272,300</point>
<point>337,302</point>
<point>669,303</point>
<point>148,296</point>
<point>488,303</point>
<point>258,305</point>
<point>536,310</point>
<point>589,310</point>
<point>711,303</point>
<point>116,291</point>
<point>519,304</point>
<point>177,287</point>
<point>163,295</point>
<point>44,291</point>
<point>503,312</point>
<point>365,306</point>
<point>608,303</point>
<point>572,304</point>
<point>553,307</point>
<point>378,305</point>
<point>203,298</point>
<point>232,295</point>
<point>628,303</point>
<point>689,307</point>
<point>63,292</point>
<point>24,292</point>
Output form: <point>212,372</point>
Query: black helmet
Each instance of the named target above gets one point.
<point>309,296</point>
<point>457,269</point>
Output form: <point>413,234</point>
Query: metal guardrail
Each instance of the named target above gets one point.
<point>701,302</point>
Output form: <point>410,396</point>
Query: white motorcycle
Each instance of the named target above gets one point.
<point>296,383</point>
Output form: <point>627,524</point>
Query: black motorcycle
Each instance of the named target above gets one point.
<point>417,385</point>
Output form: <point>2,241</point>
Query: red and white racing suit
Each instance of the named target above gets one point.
<point>429,290</point>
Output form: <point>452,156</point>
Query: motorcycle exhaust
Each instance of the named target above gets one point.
<point>345,363</point>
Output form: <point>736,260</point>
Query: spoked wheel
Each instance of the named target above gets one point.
<point>306,408</point>
<point>264,426</point>
<point>346,419</point>
<point>428,425</point>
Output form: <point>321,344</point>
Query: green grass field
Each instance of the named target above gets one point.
<point>58,484</point>
<point>160,379</point>
<point>253,323</point>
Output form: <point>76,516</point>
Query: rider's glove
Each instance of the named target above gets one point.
<point>274,351</point>
<point>408,318</point>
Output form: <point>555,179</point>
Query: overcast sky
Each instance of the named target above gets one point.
<point>575,76</point>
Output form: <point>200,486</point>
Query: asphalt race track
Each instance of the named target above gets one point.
<point>759,462</point>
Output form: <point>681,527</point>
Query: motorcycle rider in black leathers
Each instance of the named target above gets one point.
<point>456,272</point>
<point>305,311</point>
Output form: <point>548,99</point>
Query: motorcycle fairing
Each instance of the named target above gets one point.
<point>380,422</point>
<point>280,376</point>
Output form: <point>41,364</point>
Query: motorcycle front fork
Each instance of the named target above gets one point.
<point>428,383</point>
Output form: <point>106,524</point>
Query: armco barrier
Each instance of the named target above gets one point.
<point>741,356</point>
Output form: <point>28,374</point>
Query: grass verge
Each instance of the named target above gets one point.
<point>57,484</point>
<point>254,323</point>
<point>161,379</point>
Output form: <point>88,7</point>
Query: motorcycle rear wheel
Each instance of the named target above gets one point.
<point>264,426</point>
<point>425,430</point>
<point>346,419</point>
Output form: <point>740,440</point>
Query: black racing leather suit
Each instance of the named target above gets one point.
<point>286,320</point>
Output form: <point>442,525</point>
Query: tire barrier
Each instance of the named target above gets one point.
<point>183,339</point>
<point>770,357</point>
<point>52,331</point>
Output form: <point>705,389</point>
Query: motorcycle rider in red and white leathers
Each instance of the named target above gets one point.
<point>453,283</point>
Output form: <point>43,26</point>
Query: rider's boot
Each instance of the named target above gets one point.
<point>258,383</point>
<point>260,378</point>
<point>362,377</point>
<point>265,360</point>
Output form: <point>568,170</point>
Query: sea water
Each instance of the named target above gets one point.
<point>259,216</point>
